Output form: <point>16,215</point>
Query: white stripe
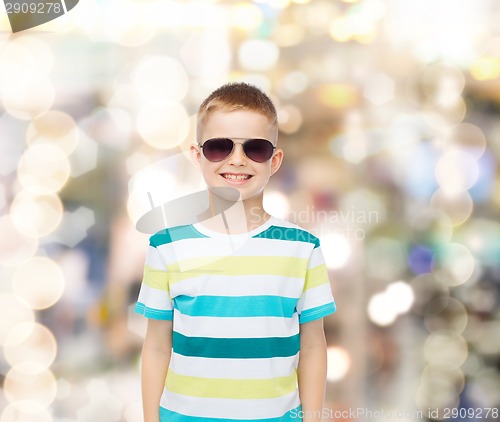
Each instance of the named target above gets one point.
<point>317,296</point>
<point>241,285</point>
<point>194,248</point>
<point>269,247</point>
<point>154,259</point>
<point>229,409</point>
<point>233,368</point>
<point>154,298</point>
<point>248,327</point>
<point>64,6</point>
<point>316,258</point>
<point>219,219</point>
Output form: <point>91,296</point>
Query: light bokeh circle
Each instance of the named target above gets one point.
<point>456,264</point>
<point>163,124</point>
<point>30,99</point>
<point>43,169</point>
<point>446,313</point>
<point>55,127</point>
<point>14,312</point>
<point>39,282</point>
<point>445,347</point>
<point>457,206</point>
<point>339,363</point>
<point>160,77</point>
<point>30,342</point>
<point>34,215</point>
<point>30,384</point>
<point>22,412</point>
<point>456,171</point>
<point>15,247</point>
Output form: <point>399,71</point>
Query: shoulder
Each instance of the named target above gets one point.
<point>281,229</point>
<point>174,234</point>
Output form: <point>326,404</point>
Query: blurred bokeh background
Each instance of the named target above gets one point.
<point>389,119</point>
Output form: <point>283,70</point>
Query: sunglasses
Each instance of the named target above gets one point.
<point>217,149</point>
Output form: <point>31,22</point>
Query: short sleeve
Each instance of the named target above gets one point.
<point>316,300</point>
<point>154,297</point>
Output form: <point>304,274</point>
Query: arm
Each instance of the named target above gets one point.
<point>312,369</point>
<point>156,353</point>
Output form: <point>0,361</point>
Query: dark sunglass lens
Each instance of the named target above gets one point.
<point>217,149</point>
<point>259,150</point>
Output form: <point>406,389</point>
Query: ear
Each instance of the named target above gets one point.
<point>195,155</point>
<point>276,161</point>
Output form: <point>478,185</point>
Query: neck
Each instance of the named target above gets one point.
<point>234,217</point>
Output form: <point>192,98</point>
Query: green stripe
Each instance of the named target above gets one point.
<point>288,233</point>
<point>173,234</point>
<point>236,348</point>
<point>316,313</point>
<point>170,416</point>
<point>231,388</point>
<point>152,313</point>
<point>236,306</point>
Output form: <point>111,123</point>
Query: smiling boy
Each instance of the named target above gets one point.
<point>235,301</point>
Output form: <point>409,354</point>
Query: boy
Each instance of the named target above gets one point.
<point>235,301</point>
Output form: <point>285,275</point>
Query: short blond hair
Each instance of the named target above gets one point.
<point>237,96</point>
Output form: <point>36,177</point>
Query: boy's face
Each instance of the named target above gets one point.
<point>237,170</point>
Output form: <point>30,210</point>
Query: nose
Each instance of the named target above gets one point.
<point>238,156</point>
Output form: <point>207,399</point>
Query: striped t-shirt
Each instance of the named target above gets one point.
<point>236,302</point>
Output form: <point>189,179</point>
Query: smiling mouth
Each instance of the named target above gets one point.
<point>236,176</point>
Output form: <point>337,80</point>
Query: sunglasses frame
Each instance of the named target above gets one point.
<point>245,140</point>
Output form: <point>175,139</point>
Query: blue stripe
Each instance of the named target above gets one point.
<point>236,306</point>
<point>316,313</point>
<point>152,313</point>
<point>236,348</point>
<point>294,415</point>
<point>173,234</point>
<point>288,233</point>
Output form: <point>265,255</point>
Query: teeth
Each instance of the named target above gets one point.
<point>236,177</point>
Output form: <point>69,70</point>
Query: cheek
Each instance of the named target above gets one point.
<point>267,171</point>
<point>208,168</point>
